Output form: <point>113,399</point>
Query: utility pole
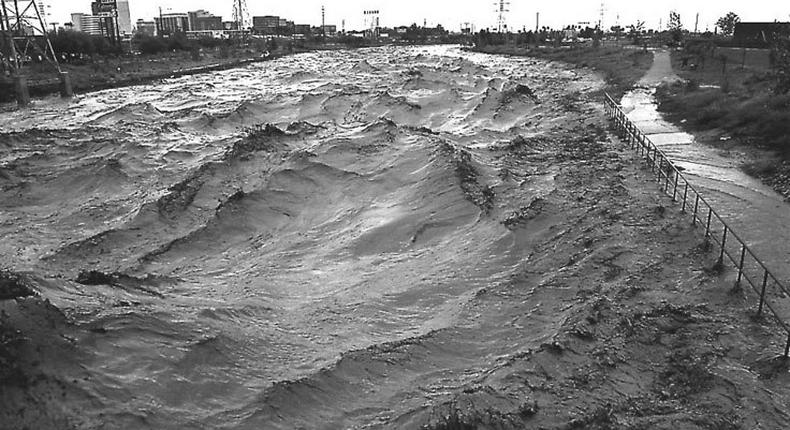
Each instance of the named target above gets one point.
<point>537,22</point>
<point>696,24</point>
<point>323,24</point>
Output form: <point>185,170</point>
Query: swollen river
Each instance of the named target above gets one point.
<point>231,250</point>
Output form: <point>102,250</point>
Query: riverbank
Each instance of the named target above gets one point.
<point>725,103</point>
<point>620,67</point>
<point>732,105</point>
<point>117,72</point>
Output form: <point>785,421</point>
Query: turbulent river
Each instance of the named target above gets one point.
<point>234,247</point>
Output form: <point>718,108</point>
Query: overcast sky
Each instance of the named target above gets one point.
<point>452,14</point>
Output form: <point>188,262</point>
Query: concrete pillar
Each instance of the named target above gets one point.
<point>66,89</point>
<point>21,90</point>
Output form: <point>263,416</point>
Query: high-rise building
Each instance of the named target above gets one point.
<point>266,24</point>
<point>44,8</point>
<point>200,20</point>
<point>87,23</point>
<point>124,17</point>
<point>172,23</point>
<point>147,28</point>
<point>107,11</point>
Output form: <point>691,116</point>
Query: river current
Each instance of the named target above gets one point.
<point>228,244</point>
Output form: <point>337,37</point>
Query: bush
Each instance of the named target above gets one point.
<point>75,43</point>
<point>780,57</point>
<point>150,45</point>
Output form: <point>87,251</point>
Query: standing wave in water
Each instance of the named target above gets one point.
<point>383,238</point>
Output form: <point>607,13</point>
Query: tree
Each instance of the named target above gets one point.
<point>780,59</point>
<point>675,29</point>
<point>636,31</point>
<point>674,21</point>
<point>727,23</point>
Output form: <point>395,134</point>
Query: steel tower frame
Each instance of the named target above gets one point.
<point>24,32</point>
<point>502,10</point>
<point>241,14</point>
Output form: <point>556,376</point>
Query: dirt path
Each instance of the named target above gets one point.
<point>753,210</point>
<point>660,72</point>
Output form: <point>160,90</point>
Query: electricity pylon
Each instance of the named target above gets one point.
<point>241,15</point>
<point>502,10</point>
<point>24,35</point>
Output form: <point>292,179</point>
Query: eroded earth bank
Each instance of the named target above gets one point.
<point>386,238</point>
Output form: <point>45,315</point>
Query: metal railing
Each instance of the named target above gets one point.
<point>772,292</point>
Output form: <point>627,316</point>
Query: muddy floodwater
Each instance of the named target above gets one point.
<point>240,263</point>
<point>410,237</point>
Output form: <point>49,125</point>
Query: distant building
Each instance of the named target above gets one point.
<point>87,23</point>
<point>286,27</point>
<point>170,23</point>
<point>302,29</point>
<point>109,15</point>
<point>330,30</point>
<point>147,28</point>
<point>44,10</point>
<point>201,20</point>
<point>230,25</point>
<point>759,33</point>
<point>124,17</point>
<point>265,24</point>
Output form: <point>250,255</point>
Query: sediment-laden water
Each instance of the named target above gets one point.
<point>220,241</point>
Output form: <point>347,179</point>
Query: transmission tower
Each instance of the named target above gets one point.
<point>241,15</point>
<point>600,20</point>
<point>24,35</point>
<point>502,10</point>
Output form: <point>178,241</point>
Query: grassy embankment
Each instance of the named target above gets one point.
<point>734,104</point>
<point>621,67</point>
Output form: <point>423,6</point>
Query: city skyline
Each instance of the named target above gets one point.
<point>452,15</point>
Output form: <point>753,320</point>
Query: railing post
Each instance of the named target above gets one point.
<point>666,174</point>
<point>675,192</point>
<point>723,244</point>
<point>762,294</point>
<point>696,209</point>
<point>685,198</point>
<point>740,266</point>
<point>659,165</point>
<point>710,216</point>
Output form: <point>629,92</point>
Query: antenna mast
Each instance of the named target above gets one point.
<point>502,10</point>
